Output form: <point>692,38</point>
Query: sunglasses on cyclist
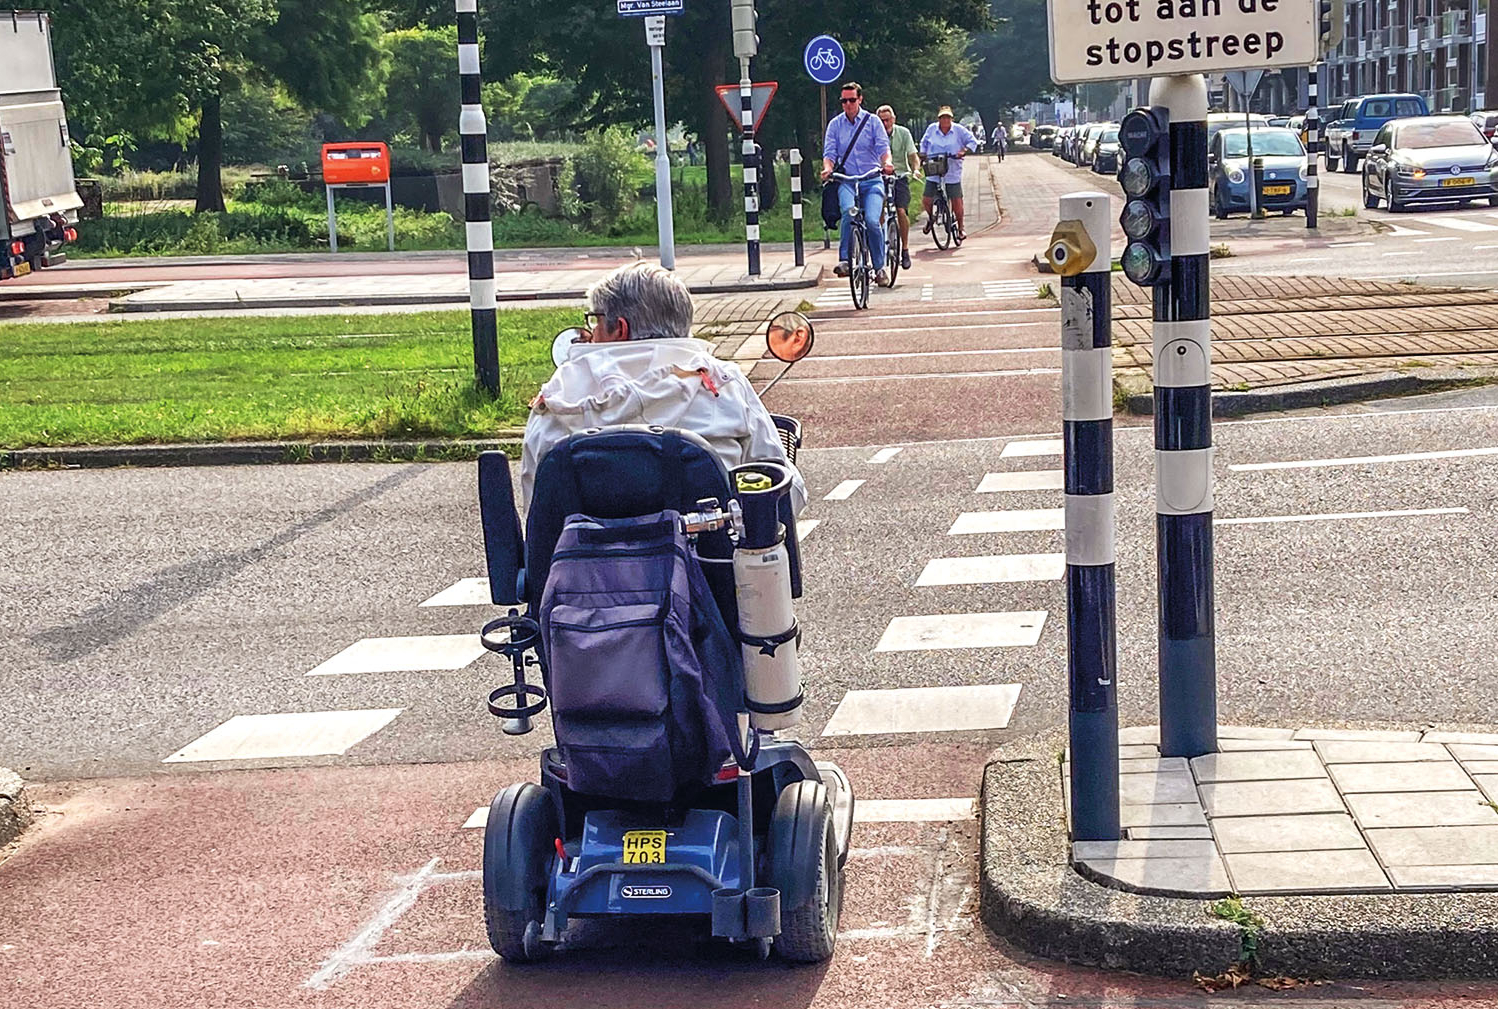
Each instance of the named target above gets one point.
<point>849,101</point>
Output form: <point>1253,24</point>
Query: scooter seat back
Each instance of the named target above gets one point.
<point>622,472</point>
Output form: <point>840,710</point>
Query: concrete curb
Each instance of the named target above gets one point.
<point>258,453</point>
<point>1031,896</point>
<point>15,810</point>
<point>435,300</point>
<point>1326,392</point>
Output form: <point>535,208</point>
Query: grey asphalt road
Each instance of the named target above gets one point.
<point>146,607</point>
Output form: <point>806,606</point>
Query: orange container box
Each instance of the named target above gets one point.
<point>357,163</point>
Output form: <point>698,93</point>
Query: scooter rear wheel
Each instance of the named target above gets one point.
<point>803,866</point>
<point>518,849</point>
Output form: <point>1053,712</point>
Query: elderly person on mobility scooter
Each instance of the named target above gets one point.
<point>656,569</point>
<point>638,363</point>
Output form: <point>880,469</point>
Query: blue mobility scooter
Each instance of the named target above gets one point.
<point>736,828</point>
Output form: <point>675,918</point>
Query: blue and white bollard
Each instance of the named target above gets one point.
<point>1183,437</point>
<point>473,129</point>
<point>1087,434</point>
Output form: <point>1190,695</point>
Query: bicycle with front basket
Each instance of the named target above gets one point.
<point>941,224</point>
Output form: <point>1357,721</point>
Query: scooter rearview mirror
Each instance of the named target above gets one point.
<point>790,336</point>
<point>562,345</point>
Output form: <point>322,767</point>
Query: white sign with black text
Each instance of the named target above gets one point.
<point>1099,40</point>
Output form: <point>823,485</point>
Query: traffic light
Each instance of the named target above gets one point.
<point>745,20</point>
<point>1144,173</point>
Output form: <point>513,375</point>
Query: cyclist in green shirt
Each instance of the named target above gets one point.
<point>903,152</point>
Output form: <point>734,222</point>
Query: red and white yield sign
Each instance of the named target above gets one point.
<point>761,94</point>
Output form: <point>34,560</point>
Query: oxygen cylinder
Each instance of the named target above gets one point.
<point>762,584</point>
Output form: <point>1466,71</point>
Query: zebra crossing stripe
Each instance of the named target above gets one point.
<point>992,570</point>
<point>290,734</point>
<point>1022,480</point>
<point>1044,446</point>
<point>419,653</point>
<point>1458,223</point>
<point>924,709</point>
<point>463,592</point>
<point>949,631</point>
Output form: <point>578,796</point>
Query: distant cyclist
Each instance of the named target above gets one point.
<point>856,145</point>
<point>907,160</point>
<point>957,141</point>
<point>1001,139</point>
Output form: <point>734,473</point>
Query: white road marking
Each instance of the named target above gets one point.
<point>884,455</point>
<point>1420,241</point>
<point>804,528</point>
<point>403,655</point>
<point>1480,248</point>
<point>864,320</point>
<point>940,353</point>
<point>1363,460</point>
<point>844,490</point>
<point>993,569</point>
<point>1402,254</point>
<point>1458,223</point>
<point>1019,449</point>
<point>290,734</point>
<point>1020,520</point>
<point>359,949</point>
<point>1312,259</point>
<point>946,631</point>
<point>1347,245</point>
<point>1333,516</point>
<point>912,810</point>
<point>464,592</point>
<point>925,376</point>
<point>478,818</point>
<point>923,709</point>
<point>928,292</point>
<point>1032,479</point>
<point>1396,229</point>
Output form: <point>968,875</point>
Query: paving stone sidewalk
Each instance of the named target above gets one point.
<point>1303,811</point>
<point>1287,334</point>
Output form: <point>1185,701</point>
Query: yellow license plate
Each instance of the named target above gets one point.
<point>1276,190</point>
<point>644,847</point>
<point>1464,181</point>
<point>22,269</point>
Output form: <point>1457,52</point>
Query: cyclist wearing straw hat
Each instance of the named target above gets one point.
<point>955,140</point>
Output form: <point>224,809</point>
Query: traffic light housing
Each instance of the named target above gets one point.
<point>745,23</point>
<point>1144,174</point>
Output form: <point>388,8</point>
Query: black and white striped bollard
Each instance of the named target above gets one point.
<point>796,211</point>
<point>1087,436</point>
<point>474,128</point>
<point>1313,148</point>
<point>751,169</point>
<point>1183,437</point>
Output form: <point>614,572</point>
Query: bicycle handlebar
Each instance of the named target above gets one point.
<point>857,178</point>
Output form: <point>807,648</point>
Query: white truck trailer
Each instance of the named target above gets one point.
<point>37,190</point>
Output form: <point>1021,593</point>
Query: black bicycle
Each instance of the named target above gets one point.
<point>860,260</point>
<point>893,248</point>
<point>941,224</point>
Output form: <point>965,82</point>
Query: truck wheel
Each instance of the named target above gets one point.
<point>1349,160</point>
<point>803,866</point>
<point>1330,159</point>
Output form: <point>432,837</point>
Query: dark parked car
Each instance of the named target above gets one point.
<point>1432,159</point>
<point>1043,137</point>
<point>1105,151</point>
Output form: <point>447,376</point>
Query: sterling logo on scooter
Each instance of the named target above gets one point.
<point>642,892</point>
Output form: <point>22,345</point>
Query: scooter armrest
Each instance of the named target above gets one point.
<point>504,544</point>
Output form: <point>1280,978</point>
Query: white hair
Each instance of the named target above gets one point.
<point>656,302</point>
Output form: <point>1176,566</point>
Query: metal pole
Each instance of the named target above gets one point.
<point>1087,425</point>
<point>1313,147</point>
<point>1183,437</point>
<point>1253,180</point>
<point>332,222</point>
<point>390,215</point>
<point>655,29</point>
<point>751,167</point>
<point>826,235</point>
<point>474,128</point>
<point>796,210</point>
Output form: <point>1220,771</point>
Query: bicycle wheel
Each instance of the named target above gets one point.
<point>941,230</point>
<point>952,227</point>
<point>858,276</point>
<point>892,248</point>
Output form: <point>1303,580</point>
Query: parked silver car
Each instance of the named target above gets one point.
<point>1430,159</point>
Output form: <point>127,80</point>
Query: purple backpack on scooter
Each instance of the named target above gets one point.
<point>644,676</point>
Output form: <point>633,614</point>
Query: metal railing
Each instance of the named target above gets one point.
<point>1453,25</point>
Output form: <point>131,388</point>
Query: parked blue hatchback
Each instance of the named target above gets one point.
<point>1230,172</point>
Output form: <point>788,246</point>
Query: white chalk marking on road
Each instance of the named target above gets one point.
<point>1336,516</point>
<point>479,818</point>
<point>1421,241</point>
<point>1020,520</point>
<point>417,653</point>
<point>1025,479</point>
<point>993,569</point>
<point>464,592</point>
<point>924,709</point>
<point>913,810</point>
<point>357,950</point>
<point>288,734</point>
<point>1363,460</point>
<point>884,455</point>
<point>804,528</point>
<point>844,490</point>
<point>961,631</point>
<point>1348,245</point>
<point>925,376</point>
<point>1018,449</point>
<point>1458,223</point>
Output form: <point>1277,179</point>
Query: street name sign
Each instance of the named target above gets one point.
<point>824,59</point>
<point>759,100</point>
<point>649,8</point>
<point>1101,40</point>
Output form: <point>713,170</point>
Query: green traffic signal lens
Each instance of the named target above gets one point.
<point>1138,178</point>
<point>1138,220</point>
<point>1139,263</point>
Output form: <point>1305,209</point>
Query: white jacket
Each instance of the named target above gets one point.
<point>664,382</point>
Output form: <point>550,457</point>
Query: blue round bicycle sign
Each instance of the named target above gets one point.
<point>824,59</point>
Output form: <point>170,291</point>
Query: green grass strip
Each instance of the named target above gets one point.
<point>394,376</point>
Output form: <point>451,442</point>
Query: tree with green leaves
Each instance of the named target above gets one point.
<point>421,91</point>
<point>1013,59</point>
